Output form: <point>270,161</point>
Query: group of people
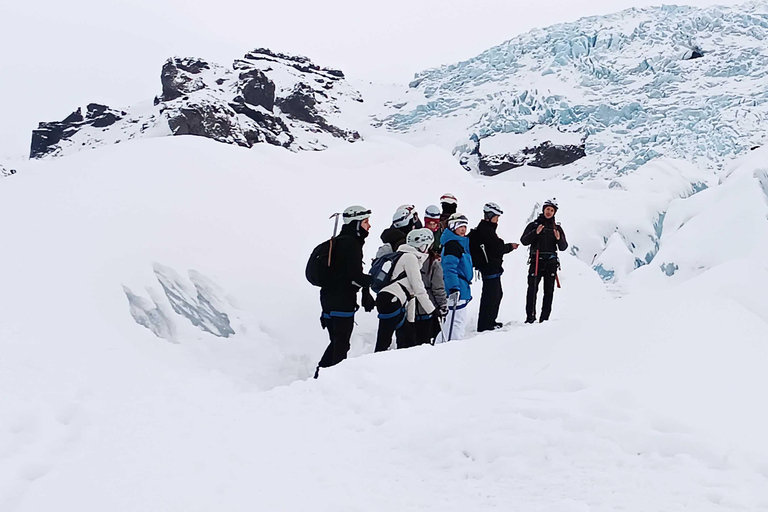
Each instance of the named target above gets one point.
<point>423,271</point>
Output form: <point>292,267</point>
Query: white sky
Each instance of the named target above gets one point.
<point>58,54</point>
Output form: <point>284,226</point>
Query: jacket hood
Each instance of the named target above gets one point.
<point>422,256</point>
<point>449,235</point>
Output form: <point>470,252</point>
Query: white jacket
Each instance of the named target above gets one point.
<point>410,262</point>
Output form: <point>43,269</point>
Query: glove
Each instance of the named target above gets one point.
<point>368,301</point>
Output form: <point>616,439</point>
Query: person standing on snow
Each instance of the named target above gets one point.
<point>403,221</point>
<point>396,301</point>
<point>338,297</point>
<point>545,237</point>
<point>488,251</point>
<point>432,223</point>
<point>428,325</point>
<point>457,274</point>
<point>412,209</point>
<point>450,205</point>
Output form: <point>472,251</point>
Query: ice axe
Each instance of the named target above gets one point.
<point>335,216</point>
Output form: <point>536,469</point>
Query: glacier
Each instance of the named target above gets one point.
<point>676,81</point>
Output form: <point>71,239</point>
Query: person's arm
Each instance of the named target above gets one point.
<point>438,286</point>
<point>413,274</point>
<point>562,244</point>
<point>530,234</point>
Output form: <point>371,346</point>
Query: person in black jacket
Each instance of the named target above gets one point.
<point>545,237</point>
<point>488,251</point>
<point>339,297</point>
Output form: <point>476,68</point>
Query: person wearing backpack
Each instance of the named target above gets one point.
<point>488,251</point>
<point>345,277</point>
<point>545,237</point>
<point>396,301</point>
<point>449,205</point>
<point>457,274</point>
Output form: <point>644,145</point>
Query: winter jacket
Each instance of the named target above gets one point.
<point>393,236</point>
<point>545,242</point>
<point>346,272</point>
<point>410,285</point>
<point>432,275</point>
<point>457,264</point>
<point>487,249</point>
<point>448,210</point>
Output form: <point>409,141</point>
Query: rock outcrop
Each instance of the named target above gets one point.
<point>265,97</point>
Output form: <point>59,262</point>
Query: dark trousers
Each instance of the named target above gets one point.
<point>490,301</point>
<point>427,329</point>
<point>392,320</point>
<point>547,272</point>
<point>340,331</point>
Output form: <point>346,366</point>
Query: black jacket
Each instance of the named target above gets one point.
<point>545,242</point>
<point>487,249</point>
<point>393,236</point>
<point>347,276</point>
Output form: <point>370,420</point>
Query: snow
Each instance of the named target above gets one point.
<point>643,395</point>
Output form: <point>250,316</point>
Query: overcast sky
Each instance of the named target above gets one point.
<point>58,54</point>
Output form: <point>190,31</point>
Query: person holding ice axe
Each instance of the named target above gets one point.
<point>545,237</point>
<point>457,274</point>
<point>336,266</point>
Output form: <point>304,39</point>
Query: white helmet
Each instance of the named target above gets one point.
<point>354,213</point>
<point>491,210</point>
<point>448,198</point>
<point>402,217</point>
<point>457,220</point>
<point>432,212</point>
<point>550,202</point>
<point>421,239</point>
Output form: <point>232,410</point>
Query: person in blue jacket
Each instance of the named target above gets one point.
<point>457,274</point>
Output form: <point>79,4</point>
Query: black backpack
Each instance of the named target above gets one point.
<point>381,271</point>
<point>318,272</point>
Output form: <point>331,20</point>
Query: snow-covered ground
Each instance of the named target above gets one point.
<point>645,393</point>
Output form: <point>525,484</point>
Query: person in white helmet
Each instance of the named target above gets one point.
<point>338,296</point>
<point>457,274</point>
<point>432,222</point>
<point>488,252</point>
<point>545,238</point>
<point>396,302</point>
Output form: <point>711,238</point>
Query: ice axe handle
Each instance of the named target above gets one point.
<point>335,216</point>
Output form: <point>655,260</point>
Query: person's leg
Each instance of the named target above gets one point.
<point>459,323</point>
<point>339,332</point>
<point>496,295</point>
<point>533,289</point>
<point>423,329</point>
<point>387,304</point>
<point>549,291</point>
<point>485,318</point>
<point>406,335</point>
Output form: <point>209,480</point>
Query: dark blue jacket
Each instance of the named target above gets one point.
<point>457,264</point>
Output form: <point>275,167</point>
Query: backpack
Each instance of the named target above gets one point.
<point>381,271</point>
<point>318,271</point>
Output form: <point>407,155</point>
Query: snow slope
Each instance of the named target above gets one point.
<point>676,81</point>
<point>651,401</point>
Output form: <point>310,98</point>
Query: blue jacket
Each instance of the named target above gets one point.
<point>457,264</point>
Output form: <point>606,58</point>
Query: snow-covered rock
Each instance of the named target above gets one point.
<point>675,81</point>
<point>265,97</point>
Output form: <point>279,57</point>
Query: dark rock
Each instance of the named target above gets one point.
<point>258,89</point>
<point>177,77</point>
<point>270,127</point>
<point>298,62</point>
<point>48,135</point>
<point>301,105</point>
<point>5,172</point>
<point>215,121</point>
<point>543,156</point>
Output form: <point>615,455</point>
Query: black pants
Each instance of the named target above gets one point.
<point>427,329</point>
<point>390,306</point>
<point>340,331</point>
<point>490,301</point>
<point>547,272</point>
